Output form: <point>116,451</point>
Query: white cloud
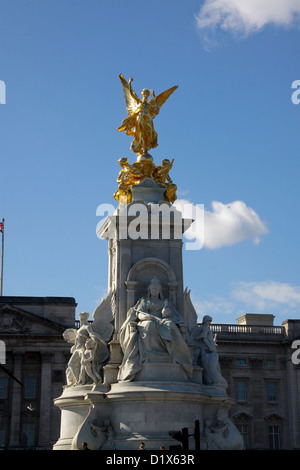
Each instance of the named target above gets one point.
<point>225,225</point>
<point>272,297</point>
<point>268,296</point>
<point>247,16</point>
<point>217,307</point>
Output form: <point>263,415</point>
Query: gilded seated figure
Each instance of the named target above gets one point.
<point>153,332</point>
<point>161,176</point>
<point>128,176</point>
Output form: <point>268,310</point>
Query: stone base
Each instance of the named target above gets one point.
<point>148,191</point>
<point>162,372</point>
<point>131,412</point>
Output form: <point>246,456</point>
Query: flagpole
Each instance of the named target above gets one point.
<point>2,255</point>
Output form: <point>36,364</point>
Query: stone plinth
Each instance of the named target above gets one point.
<point>157,252</point>
<point>256,319</point>
<point>136,411</point>
<point>152,380</point>
<point>148,192</point>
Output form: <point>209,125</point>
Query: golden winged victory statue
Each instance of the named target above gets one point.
<point>141,113</point>
<point>139,124</point>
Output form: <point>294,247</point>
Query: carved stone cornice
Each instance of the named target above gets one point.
<point>12,321</point>
<point>273,417</point>
<point>242,417</point>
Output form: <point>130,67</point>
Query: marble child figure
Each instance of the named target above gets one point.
<point>88,369</point>
<point>88,353</point>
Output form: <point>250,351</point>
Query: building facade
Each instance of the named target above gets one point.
<point>33,373</point>
<point>255,359</point>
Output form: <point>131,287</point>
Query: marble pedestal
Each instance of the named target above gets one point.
<point>161,397</point>
<point>131,412</point>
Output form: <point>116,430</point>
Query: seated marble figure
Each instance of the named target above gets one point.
<point>153,332</point>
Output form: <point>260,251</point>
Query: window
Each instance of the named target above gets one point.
<point>272,394</point>
<point>274,437</point>
<point>2,434</point>
<point>28,434</point>
<point>270,363</point>
<point>3,387</point>
<point>241,390</point>
<point>30,384</point>
<point>243,428</point>
<point>240,362</point>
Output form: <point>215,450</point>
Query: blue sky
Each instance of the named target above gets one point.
<point>231,128</point>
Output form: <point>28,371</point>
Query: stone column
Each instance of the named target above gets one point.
<point>15,421</point>
<point>109,251</point>
<point>176,264</point>
<point>46,399</point>
<point>123,267</point>
<point>131,286</point>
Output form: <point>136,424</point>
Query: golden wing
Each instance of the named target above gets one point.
<point>131,99</point>
<point>157,102</point>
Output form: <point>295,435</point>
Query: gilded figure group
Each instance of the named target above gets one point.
<point>139,125</point>
<point>141,113</point>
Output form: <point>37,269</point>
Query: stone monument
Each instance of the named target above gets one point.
<point>143,366</point>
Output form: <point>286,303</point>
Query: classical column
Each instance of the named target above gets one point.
<point>15,421</point>
<point>175,247</point>
<point>123,258</point>
<point>46,399</point>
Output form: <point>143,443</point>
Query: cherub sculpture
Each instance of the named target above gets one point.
<point>141,113</point>
<point>89,351</point>
<point>88,367</point>
<point>161,176</point>
<point>128,176</point>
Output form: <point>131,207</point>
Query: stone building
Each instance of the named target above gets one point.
<point>255,359</point>
<point>34,370</point>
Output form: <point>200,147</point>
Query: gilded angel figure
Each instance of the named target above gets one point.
<point>141,113</point>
